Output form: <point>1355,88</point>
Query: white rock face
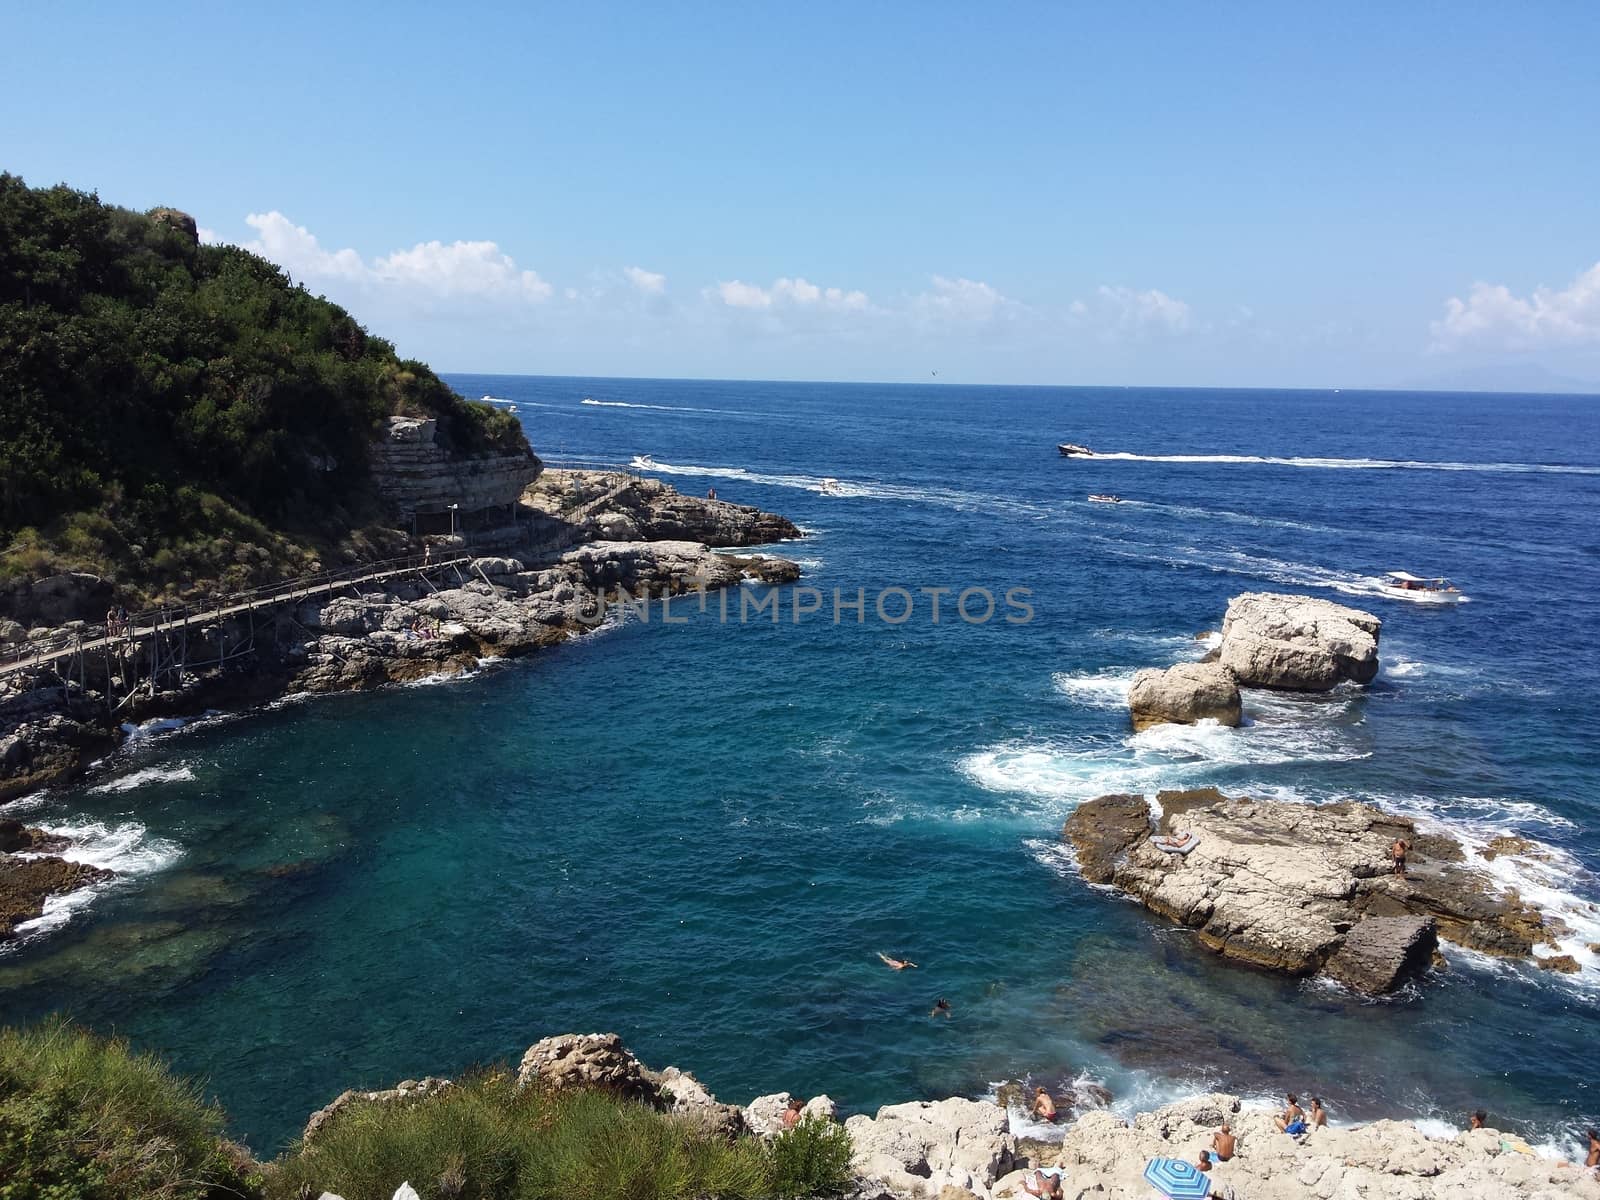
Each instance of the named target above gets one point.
<point>918,1149</point>
<point>1184,694</point>
<point>1299,643</point>
<point>1104,1158</point>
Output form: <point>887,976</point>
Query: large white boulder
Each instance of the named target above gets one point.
<point>1299,643</point>
<point>1183,695</point>
<point>917,1149</point>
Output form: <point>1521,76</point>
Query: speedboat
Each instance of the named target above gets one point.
<point>643,462</point>
<point>1072,450</point>
<point>1099,499</point>
<point>1403,585</point>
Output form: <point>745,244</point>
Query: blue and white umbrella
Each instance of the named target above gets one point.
<point>1177,1179</point>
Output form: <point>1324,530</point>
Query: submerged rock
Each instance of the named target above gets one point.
<point>26,883</point>
<point>1298,643</point>
<point>1300,888</point>
<point>1184,694</point>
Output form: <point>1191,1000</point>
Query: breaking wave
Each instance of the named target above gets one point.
<point>145,776</point>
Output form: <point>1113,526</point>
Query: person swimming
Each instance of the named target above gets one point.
<point>941,1007</point>
<point>898,964</point>
<point>1044,1105</point>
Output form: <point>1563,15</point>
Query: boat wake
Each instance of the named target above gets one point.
<point>680,408</point>
<point>141,778</point>
<point>1355,464</point>
<point>828,485</point>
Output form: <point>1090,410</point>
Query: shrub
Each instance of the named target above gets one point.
<point>486,1139</point>
<point>83,1118</point>
<point>812,1159</point>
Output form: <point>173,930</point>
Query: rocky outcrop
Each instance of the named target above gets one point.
<point>27,882</point>
<point>416,475</point>
<point>178,220</point>
<point>54,600</point>
<point>1103,1157</point>
<point>764,1114</point>
<point>1381,953</point>
<point>45,748</point>
<point>615,506</point>
<point>1298,643</point>
<point>1300,888</point>
<point>595,1061</point>
<point>1184,694</point>
<point>409,1091</point>
<point>921,1148</point>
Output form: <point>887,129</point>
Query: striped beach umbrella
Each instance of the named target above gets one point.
<point>1177,1179</point>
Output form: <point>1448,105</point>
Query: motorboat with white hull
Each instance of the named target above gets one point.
<point>1403,585</point>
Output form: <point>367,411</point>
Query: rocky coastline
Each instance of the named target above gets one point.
<point>589,541</point>
<point>964,1149</point>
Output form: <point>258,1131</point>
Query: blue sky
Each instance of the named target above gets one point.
<point>1165,193</point>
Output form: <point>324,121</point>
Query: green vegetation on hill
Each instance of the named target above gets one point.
<point>172,412</point>
<point>86,1119</point>
<point>82,1118</point>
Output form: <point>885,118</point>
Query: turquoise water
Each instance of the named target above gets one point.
<point>699,835</point>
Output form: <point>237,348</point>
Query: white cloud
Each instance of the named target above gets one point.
<point>963,299</point>
<point>1492,316</point>
<point>798,293</point>
<point>1133,311</point>
<point>454,269</point>
<point>646,281</point>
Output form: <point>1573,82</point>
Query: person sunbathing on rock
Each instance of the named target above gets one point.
<point>791,1113</point>
<point>1205,1160</point>
<point>1293,1121</point>
<point>1319,1115</point>
<point>1593,1161</point>
<point>1478,1120</point>
<point>899,964</point>
<point>1224,1143</point>
<point>1044,1185</point>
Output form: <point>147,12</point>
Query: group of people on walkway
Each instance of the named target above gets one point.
<point>117,621</point>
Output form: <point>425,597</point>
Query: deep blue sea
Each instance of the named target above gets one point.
<point>700,835</point>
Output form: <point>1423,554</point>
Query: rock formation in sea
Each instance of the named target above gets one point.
<point>1185,694</point>
<point>1303,888</point>
<point>31,873</point>
<point>1268,640</point>
<point>1298,643</point>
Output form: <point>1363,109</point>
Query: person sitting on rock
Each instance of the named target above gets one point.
<point>1398,852</point>
<point>1592,1162</point>
<point>1044,1105</point>
<point>1478,1120</point>
<point>898,964</point>
<point>1205,1160</point>
<point>1293,1121</point>
<point>1319,1115</point>
<point>1224,1143</point>
<point>791,1114</point>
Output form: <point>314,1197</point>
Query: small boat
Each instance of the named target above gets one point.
<point>1098,498</point>
<point>829,487</point>
<point>1072,450</point>
<point>1437,590</point>
<point>643,462</point>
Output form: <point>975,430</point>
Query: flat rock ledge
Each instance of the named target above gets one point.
<point>1302,888</point>
<point>1103,1158</point>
